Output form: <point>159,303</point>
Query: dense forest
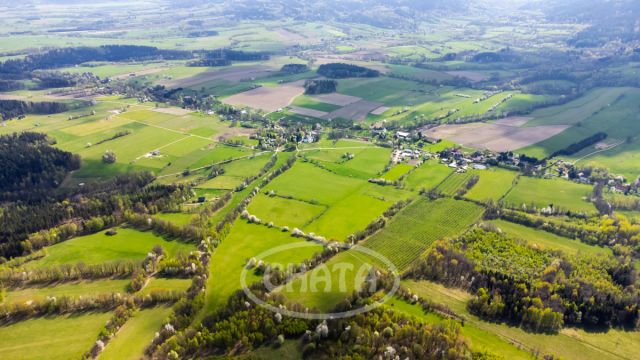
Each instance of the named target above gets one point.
<point>28,162</point>
<point>224,57</point>
<point>312,87</point>
<point>10,109</point>
<point>87,209</point>
<point>341,71</point>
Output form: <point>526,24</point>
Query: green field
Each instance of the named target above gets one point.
<point>60,338</point>
<point>402,241</point>
<point>542,239</point>
<point>397,172</point>
<point>244,242</point>
<point>177,218</point>
<point>162,284</point>
<point>389,91</point>
<point>577,110</point>
<point>184,141</point>
<point>416,227</point>
<point>236,172</point>
<point>609,110</point>
<point>456,181</point>
<point>544,192</point>
<point>283,211</point>
<point>127,244</point>
<point>427,176</point>
<point>493,184</point>
<point>312,103</point>
<point>343,274</point>
<point>301,183</point>
<point>367,162</point>
<point>136,334</point>
<point>347,216</point>
<point>76,289</point>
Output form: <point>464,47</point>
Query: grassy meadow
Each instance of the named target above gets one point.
<point>134,336</point>
<point>60,337</point>
<point>127,244</point>
<point>545,192</point>
<point>545,240</point>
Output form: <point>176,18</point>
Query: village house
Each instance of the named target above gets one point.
<point>402,135</point>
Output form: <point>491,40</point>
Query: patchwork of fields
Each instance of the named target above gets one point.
<point>229,136</point>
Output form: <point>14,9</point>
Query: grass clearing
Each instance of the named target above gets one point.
<point>244,242</point>
<point>180,285</point>
<point>492,185</point>
<point>397,172</point>
<point>347,216</point>
<point>30,339</point>
<point>301,182</point>
<point>326,295</point>
<point>127,244</point>
<point>136,334</point>
<point>427,176</point>
<point>314,104</point>
<point>542,239</point>
<point>283,211</point>
<point>177,218</point>
<point>544,192</point>
<point>74,289</point>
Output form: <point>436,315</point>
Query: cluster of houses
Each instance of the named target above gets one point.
<point>400,155</point>
<point>457,159</point>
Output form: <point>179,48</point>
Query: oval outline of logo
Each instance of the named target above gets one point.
<point>321,316</point>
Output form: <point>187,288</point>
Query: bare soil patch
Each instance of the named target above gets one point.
<point>471,75</point>
<point>233,132</point>
<point>308,112</point>
<point>232,74</point>
<point>268,98</point>
<point>494,137</point>
<point>516,121</point>
<point>337,99</point>
<point>380,110</point>
<point>172,111</point>
<point>355,111</point>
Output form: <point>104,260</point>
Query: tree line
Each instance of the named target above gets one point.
<point>341,71</point>
<point>10,109</point>
<point>29,163</point>
<point>62,57</point>
<point>26,215</point>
